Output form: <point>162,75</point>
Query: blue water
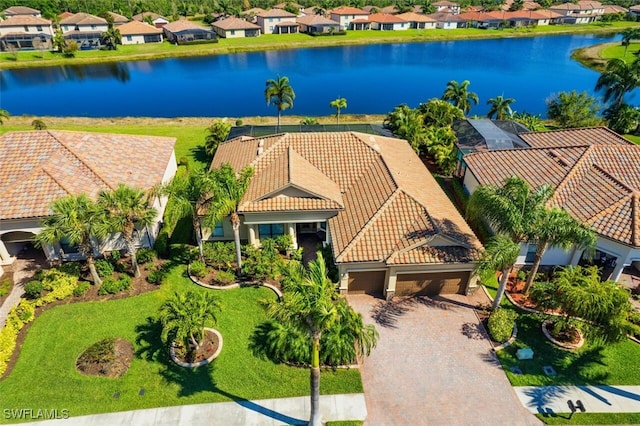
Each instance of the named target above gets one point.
<point>373,79</point>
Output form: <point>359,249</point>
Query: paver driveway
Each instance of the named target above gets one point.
<point>433,366</point>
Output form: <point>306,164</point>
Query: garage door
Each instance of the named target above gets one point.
<point>430,284</point>
<point>369,282</point>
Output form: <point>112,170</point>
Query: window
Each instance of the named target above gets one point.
<point>232,32</point>
<point>93,27</point>
<point>129,38</point>
<point>218,230</point>
<point>38,27</point>
<point>271,230</point>
<point>26,28</point>
<point>531,253</point>
<point>68,248</point>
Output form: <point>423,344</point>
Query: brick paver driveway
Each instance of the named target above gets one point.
<point>433,366</point>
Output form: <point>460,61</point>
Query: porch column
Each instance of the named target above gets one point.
<point>4,254</point>
<point>344,280</point>
<point>292,232</point>
<point>575,258</point>
<point>615,276</point>
<point>252,234</point>
<point>390,279</point>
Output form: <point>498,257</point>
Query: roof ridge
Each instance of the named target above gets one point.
<point>635,218</point>
<point>570,174</point>
<point>396,249</point>
<point>55,180</point>
<point>612,208</point>
<point>100,178</point>
<point>256,160</point>
<point>369,223</point>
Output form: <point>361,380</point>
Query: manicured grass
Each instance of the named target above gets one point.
<point>633,138</point>
<point>45,374</point>
<point>592,419</point>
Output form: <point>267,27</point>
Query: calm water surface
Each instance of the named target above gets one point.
<point>373,78</point>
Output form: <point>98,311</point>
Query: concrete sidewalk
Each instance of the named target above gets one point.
<point>267,412</point>
<point>596,399</point>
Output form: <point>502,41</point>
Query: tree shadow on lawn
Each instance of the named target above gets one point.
<point>192,380</point>
<point>200,155</point>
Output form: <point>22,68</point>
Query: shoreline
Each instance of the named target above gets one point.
<point>590,56</point>
<point>281,43</point>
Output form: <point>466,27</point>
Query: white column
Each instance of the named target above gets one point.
<point>390,279</point>
<point>292,232</point>
<point>575,258</point>
<point>617,271</point>
<point>252,235</point>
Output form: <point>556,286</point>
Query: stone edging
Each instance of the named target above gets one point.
<point>203,362</point>
<point>231,286</point>
<point>509,342</point>
<point>569,346</point>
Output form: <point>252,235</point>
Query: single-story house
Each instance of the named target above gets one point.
<point>136,32</point>
<point>596,178</point>
<point>345,15</point>
<point>387,22</point>
<point>445,6</point>
<point>158,20</point>
<point>277,21</point>
<point>25,32</point>
<point>317,24</point>
<point>21,11</point>
<point>233,27</point>
<point>184,31</point>
<point>360,24</point>
<point>85,29</point>
<point>42,166</point>
<point>581,12</point>
<point>118,19</point>
<point>391,228</point>
<point>447,21</point>
<point>418,20</point>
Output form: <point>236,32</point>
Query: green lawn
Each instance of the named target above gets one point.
<point>45,374</point>
<point>592,419</point>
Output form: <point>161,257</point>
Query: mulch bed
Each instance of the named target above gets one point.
<point>207,348</point>
<point>113,364</point>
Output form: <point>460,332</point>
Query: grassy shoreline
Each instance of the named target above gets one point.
<point>291,41</point>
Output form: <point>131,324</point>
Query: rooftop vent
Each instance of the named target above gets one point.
<point>260,150</point>
<point>261,143</point>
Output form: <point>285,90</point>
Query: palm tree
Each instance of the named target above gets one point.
<point>280,93</point>
<point>311,305</point>
<point>217,133</point>
<point>338,104</point>
<point>460,96</point>
<point>441,145</point>
<point>555,227</point>
<point>4,115</point>
<point>500,255</point>
<point>628,35</point>
<point>79,221</point>
<point>229,190</point>
<point>618,79</point>
<point>500,107</point>
<point>190,195</point>
<point>111,38</point>
<point>184,316</point>
<point>127,209</point>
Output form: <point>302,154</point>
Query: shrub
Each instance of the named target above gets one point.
<point>58,284</point>
<point>161,245</point>
<point>225,277</point>
<point>109,286</point>
<point>125,282</point>
<point>264,262</point>
<point>104,268</point>
<point>25,311</point>
<point>220,255</point>
<point>5,287</point>
<point>501,324</point>
<point>198,269</point>
<point>239,122</point>
<point>81,289</point>
<point>156,276</point>
<point>297,254</point>
<point>71,268</point>
<point>521,275</point>
<point>38,124</point>
<point>33,288</point>
<point>145,255</point>
<point>542,293</point>
<point>284,243</point>
<point>113,256</point>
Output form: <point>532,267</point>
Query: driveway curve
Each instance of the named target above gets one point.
<point>434,366</point>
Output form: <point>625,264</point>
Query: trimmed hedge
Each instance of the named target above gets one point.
<point>501,324</point>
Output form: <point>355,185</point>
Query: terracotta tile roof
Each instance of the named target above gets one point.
<point>574,137</point>
<point>41,166</point>
<point>64,15</point>
<point>82,18</point>
<point>137,28</point>
<point>153,15</point>
<point>254,11</point>
<point>276,13</point>
<point>347,10</point>
<point>597,183</point>
<point>385,18</point>
<point>415,17</point>
<point>385,199</point>
<point>22,20</point>
<point>315,20</point>
<point>445,3</point>
<point>118,19</point>
<point>234,23</point>
<point>580,5</point>
<point>182,25</point>
<point>283,5</point>
<point>612,8</point>
<point>445,17</point>
<point>20,10</point>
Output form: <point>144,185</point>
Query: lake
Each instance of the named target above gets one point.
<point>373,79</point>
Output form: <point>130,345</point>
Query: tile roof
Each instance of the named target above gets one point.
<point>117,18</point>
<point>22,20</point>
<point>233,23</point>
<point>182,25</point>
<point>315,20</point>
<point>445,3</point>
<point>82,18</point>
<point>253,10</point>
<point>385,18</point>
<point>598,182</point>
<point>276,13</point>
<point>347,10</point>
<point>153,15</point>
<point>574,137</point>
<point>137,28</point>
<point>613,8</point>
<point>384,198</point>
<point>20,10</point>
<point>580,5</point>
<point>40,166</point>
<point>415,17</point>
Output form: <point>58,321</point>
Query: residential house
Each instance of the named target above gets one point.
<point>233,27</point>
<point>184,31</point>
<point>65,15</point>
<point>386,22</point>
<point>634,10</point>
<point>317,24</point>
<point>251,14</point>
<point>391,228</point>
<point>526,5</point>
<point>581,12</point>
<point>21,11</point>
<point>418,20</point>
<point>118,19</point>
<point>446,6</point>
<point>447,21</point>
<point>613,9</point>
<point>42,166</point>
<point>293,4</point>
<point>85,29</point>
<point>136,32</point>
<point>157,20</point>
<point>596,179</point>
<point>25,32</point>
<point>345,15</point>
<point>277,21</point>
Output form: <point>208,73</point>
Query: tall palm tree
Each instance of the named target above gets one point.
<point>555,227</point>
<point>338,104</point>
<point>500,107</point>
<point>618,79</point>
<point>128,209</point>
<point>184,316</point>
<point>500,254</point>
<point>460,96</point>
<point>79,221</point>
<point>280,93</point>
<point>441,145</point>
<point>190,195</point>
<point>312,306</point>
<point>229,190</point>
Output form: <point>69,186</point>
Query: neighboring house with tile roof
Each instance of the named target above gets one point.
<point>418,20</point>
<point>317,24</point>
<point>446,6</point>
<point>21,11</point>
<point>345,15</point>
<point>596,178</point>
<point>387,22</point>
<point>277,21</point>
<point>184,31</point>
<point>136,32</point>
<point>233,27</point>
<point>581,12</point>
<point>42,166</point>
<point>251,14</point>
<point>25,32</point>
<point>158,20</point>
<point>118,19</point>
<point>391,228</point>
<point>85,29</point>
<point>447,21</point>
